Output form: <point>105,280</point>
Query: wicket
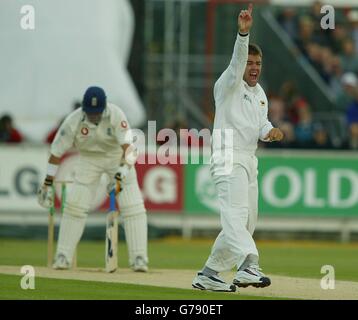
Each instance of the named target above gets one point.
<point>111,242</point>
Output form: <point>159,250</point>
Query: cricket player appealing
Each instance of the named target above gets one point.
<point>101,133</point>
<point>241,107</point>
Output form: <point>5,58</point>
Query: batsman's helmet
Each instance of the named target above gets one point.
<point>94,100</point>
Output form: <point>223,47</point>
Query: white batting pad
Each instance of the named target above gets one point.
<point>136,231</point>
<point>79,200</point>
<point>130,199</point>
<point>71,230</point>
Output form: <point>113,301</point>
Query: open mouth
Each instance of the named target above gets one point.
<point>253,75</point>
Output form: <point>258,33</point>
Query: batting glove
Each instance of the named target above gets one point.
<point>45,195</point>
<point>119,177</point>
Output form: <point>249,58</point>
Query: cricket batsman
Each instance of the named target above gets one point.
<point>101,134</point>
<point>241,118</point>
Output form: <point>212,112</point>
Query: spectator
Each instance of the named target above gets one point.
<point>321,36</point>
<point>288,20</point>
<point>278,117</point>
<point>320,57</point>
<point>321,139</point>
<point>349,56</point>
<point>304,128</point>
<point>8,133</point>
<point>333,67</point>
<point>353,19</point>
<point>315,14</point>
<point>293,100</point>
<point>305,34</point>
<point>350,84</point>
<point>353,136</point>
<point>327,59</point>
<point>314,56</point>
<point>339,34</point>
<point>277,110</point>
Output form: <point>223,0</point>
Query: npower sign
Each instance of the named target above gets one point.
<point>304,185</point>
<point>305,188</point>
<point>289,185</point>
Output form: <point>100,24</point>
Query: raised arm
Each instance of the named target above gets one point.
<point>233,75</point>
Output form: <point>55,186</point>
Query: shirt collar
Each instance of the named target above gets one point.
<point>254,89</point>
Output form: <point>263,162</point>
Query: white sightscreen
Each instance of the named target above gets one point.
<point>75,44</point>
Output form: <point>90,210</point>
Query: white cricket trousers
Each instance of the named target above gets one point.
<point>80,197</point>
<point>238,200</point>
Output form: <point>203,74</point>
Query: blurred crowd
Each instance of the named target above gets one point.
<point>334,55</point>
<point>332,52</point>
<point>9,133</point>
<point>291,112</point>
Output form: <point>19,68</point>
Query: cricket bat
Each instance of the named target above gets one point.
<point>111,256</point>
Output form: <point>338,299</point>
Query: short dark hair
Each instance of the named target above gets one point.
<point>6,118</point>
<point>255,50</point>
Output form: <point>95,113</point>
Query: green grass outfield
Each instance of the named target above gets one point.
<point>298,259</point>
<point>90,290</point>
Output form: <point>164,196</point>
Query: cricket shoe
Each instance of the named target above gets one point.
<point>61,263</point>
<point>212,283</point>
<point>140,265</point>
<point>251,276</point>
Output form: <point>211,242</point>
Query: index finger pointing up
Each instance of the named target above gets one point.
<point>250,8</point>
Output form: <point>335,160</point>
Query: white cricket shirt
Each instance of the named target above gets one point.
<point>241,111</point>
<point>104,139</point>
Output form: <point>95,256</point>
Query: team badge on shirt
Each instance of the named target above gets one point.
<point>109,131</point>
<point>84,131</point>
<point>262,103</point>
<point>246,97</point>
